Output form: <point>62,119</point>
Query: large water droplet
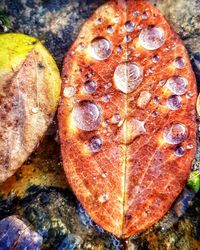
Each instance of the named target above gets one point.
<point>179,151</point>
<point>179,62</point>
<point>103,198</point>
<point>152,38</point>
<point>100,48</point>
<point>177,85</point>
<point>132,128</point>
<point>95,144</point>
<point>129,26</point>
<point>128,76</point>
<point>143,99</point>
<point>175,133</point>
<point>69,91</point>
<point>174,102</point>
<point>90,86</point>
<point>86,115</point>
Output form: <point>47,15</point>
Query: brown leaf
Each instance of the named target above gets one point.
<point>28,98</point>
<point>127,116</point>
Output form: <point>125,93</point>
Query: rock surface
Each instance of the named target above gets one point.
<point>38,191</point>
<point>15,234</point>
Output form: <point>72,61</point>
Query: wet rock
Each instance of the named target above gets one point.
<point>15,234</point>
<point>61,220</point>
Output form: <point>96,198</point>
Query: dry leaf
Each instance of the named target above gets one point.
<point>29,93</point>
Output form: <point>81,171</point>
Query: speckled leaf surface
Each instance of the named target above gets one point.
<point>29,92</point>
<point>128,111</point>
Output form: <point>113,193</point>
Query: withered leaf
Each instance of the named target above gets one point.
<point>127,119</point>
<point>29,93</point>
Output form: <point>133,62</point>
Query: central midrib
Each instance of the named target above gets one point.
<point>125,147</point>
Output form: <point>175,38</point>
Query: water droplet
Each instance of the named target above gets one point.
<point>103,198</point>
<point>116,19</point>
<point>90,86</point>
<point>35,110</point>
<point>174,102</point>
<point>115,119</point>
<point>155,58</point>
<point>81,46</point>
<point>156,100</point>
<point>137,55</point>
<point>162,82</point>
<point>189,95</point>
<point>179,151</point>
<point>86,115</point>
<point>189,146</point>
<point>154,16</point>
<point>88,75</point>
<point>110,29</point>
<point>69,91</point>
<point>139,27</point>
<point>127,39</point>
<point>106,98</point>
<point>128,52</point>
<point>151,38</point>
<point>129,26</point>
<point>95,144</point>
<point>179,62</point>
<point>177,85</point>
<point>175,133</point>
<point>128,76</point>
<point>144,15</point>
<point>105,124</point>
<point>151,70</point>
<point>119,48</point>
<point>133,128</point>
<point>100,48</point>
<point>99,21</point>
<point>104,175</point>
<point>154,113</point>
<point>143,99</point>
<point>136,13</point>
<point>108,85</point>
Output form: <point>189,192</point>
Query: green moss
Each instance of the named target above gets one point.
<point>4,21</point>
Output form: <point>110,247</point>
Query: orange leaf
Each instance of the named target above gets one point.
<point>127,116</point>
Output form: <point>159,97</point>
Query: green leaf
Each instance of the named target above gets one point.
<point>194,181</point>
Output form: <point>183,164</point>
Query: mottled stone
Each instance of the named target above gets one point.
<point>16,234</point>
